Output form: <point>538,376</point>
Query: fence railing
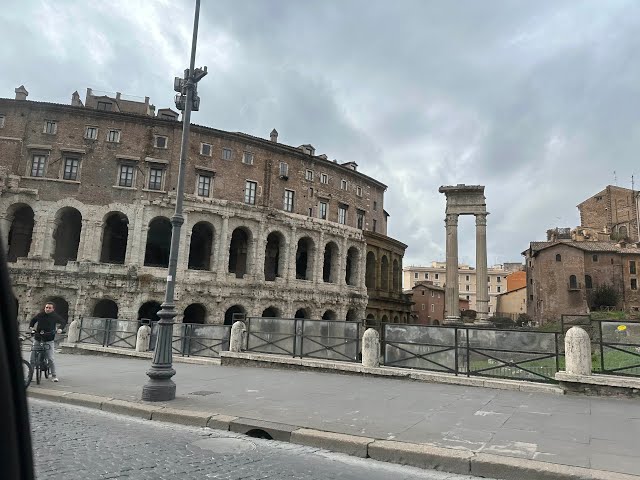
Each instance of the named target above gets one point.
<point>108,332</point>
<point>616,347</point>
<point>191,339</point>
<point>299,337</point>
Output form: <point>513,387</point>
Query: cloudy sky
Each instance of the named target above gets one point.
<point>537,100</point>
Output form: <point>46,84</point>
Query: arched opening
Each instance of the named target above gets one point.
<point>304,259</point>
<point>233,313</point>
<point>238,252</point>
<point>622,231</point>
<point>558,257</point>
<point>329,315</point>
<point>573,282</point>
<point>149,310</point>
<point>396,276</point>
<point>106,308</point>
<point>352,315</point>
<point>370,274</point>
<point>385,319</point>
<point>20,233</point>
<point>158,243</point>
<point>384,273</point>
<point>271,312</point>
<point>352,263</point>
<point>201,246</point>
<point>195,313</point>
<point>274,256</point>
<point>330,266</point>
<point>588,282</point>
<point>436,322</point>
<point>396,319</point>
<point>61,306</point>
<point>114,238</point>
<point>67,235</point>
<point>302,313</point>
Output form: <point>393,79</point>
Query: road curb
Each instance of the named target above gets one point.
<point>418,455</point>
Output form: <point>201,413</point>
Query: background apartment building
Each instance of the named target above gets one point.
<point>436,273</point>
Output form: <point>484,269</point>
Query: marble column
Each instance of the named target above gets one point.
<point>482,286</point>
<point>452,297</point>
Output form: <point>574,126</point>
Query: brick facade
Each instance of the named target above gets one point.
<point>614,210</point>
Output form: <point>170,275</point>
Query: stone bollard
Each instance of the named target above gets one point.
<point>371,348</point>
<point>143,338</point>
<point>577,352</point>
<point>237,336</point>
<point>73,334</point>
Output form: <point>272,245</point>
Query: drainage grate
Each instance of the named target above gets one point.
<point>203,393</point>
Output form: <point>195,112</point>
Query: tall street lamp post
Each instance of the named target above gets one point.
<point>160,387</point>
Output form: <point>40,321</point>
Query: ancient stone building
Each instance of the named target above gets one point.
<point>87,191</point>
<point>614,210</point>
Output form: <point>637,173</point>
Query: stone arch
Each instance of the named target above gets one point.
<point>115,234</point>
<point>105,308</point>
<point>370,275</point>
<point>352,315</point>
<point>231,311</point>
<point>66,235</point>
<point>274,256</point>
<point>239,250</point>
<point>330,263</point>
<point>436,322</point>
<point>302,313</point>
<point>329,315</point>
<point>149,310</point>
<point>385,319</point>
<point>61,306</point>
<point>195,313</point>
<point>156,253</point>
<point>384,273</point>
<point>371,316</point>
<point>573,281</point>
<point>201,246</point>
<point>271,312</point>
<point>21,217</point>
<point>396,319</point>
<point>352,266</point>
<point>397,281</point>
<point>305,255</point>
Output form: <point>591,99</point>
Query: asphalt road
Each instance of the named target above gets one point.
<point>77,443</point>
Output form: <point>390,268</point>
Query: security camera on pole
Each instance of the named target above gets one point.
<point>160,387</point>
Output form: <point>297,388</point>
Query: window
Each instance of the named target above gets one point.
<point>284,169</point>
<point>498,289</point>
<point>310,211</point>
<point>595,258</point>
<point>288,200</point>
<point>70,168</point>
<point>2,117</point>
<point>226,154</point>
<point>310,192</point>
<point>573,282</point>
<point>632,267</point>
<point>467,296</point>
<point>247,158</point>
<point>426,276</point>
<point>433,294</point>
<point>498,279</point>
<point>531,298</point>
<point>155,178</point>
<point>375,224</point>
<point>415,275</point>
<point>422,292</point>
<point>126,176</point>
<point>433,307</point>
<point>91,133</point>
<point>308,175</point>
<point>50,127</point>
<point>423,306</point>
<point>322,210</point>
<point>250,192</point>
<point>467,288</point>
<point>342,215</point>
<point>205,149</point>
<point>113,136</point>
<point>105,106</point>
<point>588,282</point>
<point>160,141</point>
<point>37,165</point>
<point>360,219</point>
<point>204,185</point>
<point>343,185</point>
<point>634,284</point>
<point>375,205</point>
<point>359,191</point>
<point>467,278</point>
<point>324,178</point>
<point>437,276</point>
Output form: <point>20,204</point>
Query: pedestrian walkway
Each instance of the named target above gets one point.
<point>589,432</point>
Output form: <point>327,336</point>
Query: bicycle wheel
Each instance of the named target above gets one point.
<point>45,367</point>
<point>27,371</point>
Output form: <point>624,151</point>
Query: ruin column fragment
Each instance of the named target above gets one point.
<point>482,287</point>
<point>452,304</point>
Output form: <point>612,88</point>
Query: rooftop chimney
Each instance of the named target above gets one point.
<point>274,136</point>
<point>21,93</point>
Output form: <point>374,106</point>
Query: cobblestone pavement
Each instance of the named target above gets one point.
<point>76,443</point>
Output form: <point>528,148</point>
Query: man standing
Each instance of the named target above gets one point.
<point>46,322</point>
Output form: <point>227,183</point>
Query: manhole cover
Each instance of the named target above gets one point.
<point>203,393</point>
<point>224,445</point>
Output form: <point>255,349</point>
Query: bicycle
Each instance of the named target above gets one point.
<point>27,368</point>
<point>41,363</point>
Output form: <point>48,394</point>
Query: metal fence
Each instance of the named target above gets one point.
<point>191,339</point>
<point>474,351</point>
<point>299,337</point>
<point>616,347</point>
<point>108,332</point>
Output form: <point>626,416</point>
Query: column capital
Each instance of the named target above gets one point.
<point>451,220</point>
<point>481,219</point>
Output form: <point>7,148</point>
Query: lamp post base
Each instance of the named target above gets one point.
<point>159,387</point>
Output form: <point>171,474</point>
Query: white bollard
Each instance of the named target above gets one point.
<point>143,338</point>
<point>371,348</point>
<point>73,334</point>
<point>237,336</point>
<point>577,352</point>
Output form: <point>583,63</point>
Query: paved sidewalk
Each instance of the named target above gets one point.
<point>590,432</point>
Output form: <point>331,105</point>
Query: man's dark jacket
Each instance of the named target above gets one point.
<point>47,322</point>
